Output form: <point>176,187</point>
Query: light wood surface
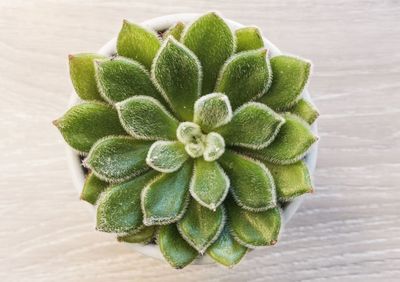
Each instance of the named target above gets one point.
<point>349,230</point>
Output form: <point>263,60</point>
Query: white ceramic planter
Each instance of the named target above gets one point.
<point>162,23</point>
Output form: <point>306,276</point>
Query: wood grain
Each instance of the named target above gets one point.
<point>348,231</point>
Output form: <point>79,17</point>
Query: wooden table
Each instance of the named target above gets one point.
<point>348,231</point>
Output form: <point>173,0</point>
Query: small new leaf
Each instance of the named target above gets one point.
<point>291,180</point>
<point>248,38</point>
<point>200,226</point>
<point>121,78</point>
<point>254,229</point>
<point>226,250</point>
<point>211,39</point>
<point>117,158</point>
<point>244,77</point>
<point>175,31</point>
<point>119,210</point>
<point>165,199</point>
<point>138,43</point>
<point>251,182</point>
<point>177,252</point>
<point>209,184</point>
<point>92,189</point>
<point>253,125</point>
<point>166,156</point>
<point>291,143</point>
<point>178,74</point>
<point>145,118</point>
<point>81,68</point>
<point>212,110</point>
<point>215,147</point>
<point>290,77</point>
<point>306,110</point>
<point>86,123</point>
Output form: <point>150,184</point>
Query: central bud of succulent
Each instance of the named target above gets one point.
<point>211,146</point>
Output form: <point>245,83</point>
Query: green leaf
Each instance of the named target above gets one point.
<point>248,38</point>
<point>118,158</point>
<point>209,184</point>
<point>254,229</point>
<point>166,156</point>
<point>119,210</point>
<point>252,185</point>
<point>138,43</point>
<point>244,77</point>
<point>82,72</point>
<point>290,75</point>
<point>305,110</point>
<point>253,125</point>
<point>175,31</point>
<point>121,78</point>
<point>291,181</point>
<point>200,226</point>
<point>178,74</point>
<point>84,124</point>
<point>92,189</point>
<point>212,110</point>
<point>145,118</point>
<point>164,200</point>
<point>211,39</point>
<point>290,145</point>
<point>176,251</point>
<point>226,250</point>
<point>215,147</point>
<point>144,235</point>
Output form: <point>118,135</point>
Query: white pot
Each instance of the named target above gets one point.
<point>162,23</point>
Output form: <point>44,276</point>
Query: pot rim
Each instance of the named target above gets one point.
<point>162,23</point>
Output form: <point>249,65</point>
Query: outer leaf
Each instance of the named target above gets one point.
<point>175,31</point>
<point>215,147</point>
<point>254,229</point>
<point>253,125</point>
<point>144,235</point>
<point>210,38</point>
<point>178,74</point>
<point>121,78</point>
<point>290,145</point>
<point>305,110</point>
<point>145,118</point>
<point>119,210</point>
<point>166,156</point>
<point>92,189</point>
<point>165,199</point>
<point>291,181</point>
<point>251,182</point>
<point>138,43</point>
<point>245,76</point>
<point>84,124</point>
<point>290,77</point>
<point>248,38</point>
<point>177,252</point>
<point>212,110</point>
<point>81,68</point>
<point>209,184</point>
<point>116,159</point>
<point>200,226</point>
<point>226,250</point>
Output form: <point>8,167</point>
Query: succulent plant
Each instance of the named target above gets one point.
<point>195,139</point>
